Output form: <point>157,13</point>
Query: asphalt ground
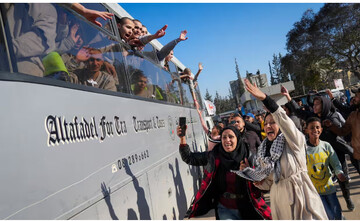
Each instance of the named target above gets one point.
<point>349,215</point>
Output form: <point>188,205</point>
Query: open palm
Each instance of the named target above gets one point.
<point>254,90</point>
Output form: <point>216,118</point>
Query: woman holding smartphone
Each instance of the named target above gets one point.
<point>231,196</point>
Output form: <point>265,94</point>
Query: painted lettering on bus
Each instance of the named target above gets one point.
<point>61,131</point>
<point>142,125</point>
<point>120,126</point>
<point>148,124</point>
<point>106,128</point>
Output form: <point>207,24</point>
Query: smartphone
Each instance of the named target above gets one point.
<point>182,124</point>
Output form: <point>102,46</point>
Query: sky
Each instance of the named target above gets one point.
<point>220,32</point>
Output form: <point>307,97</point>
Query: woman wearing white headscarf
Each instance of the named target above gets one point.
<point>281,166</point>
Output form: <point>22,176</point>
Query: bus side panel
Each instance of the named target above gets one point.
<point>47,175</point>
<point>130,202</point>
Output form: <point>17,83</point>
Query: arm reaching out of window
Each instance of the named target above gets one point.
<point>90,14</point>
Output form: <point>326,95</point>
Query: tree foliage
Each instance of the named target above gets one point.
<point>223,104</point>
<point>241,88</point>
<point>319,45</point>
<point>208,96</point>
<point>278,73</point>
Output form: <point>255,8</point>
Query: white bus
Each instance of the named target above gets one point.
<point>75,150</point>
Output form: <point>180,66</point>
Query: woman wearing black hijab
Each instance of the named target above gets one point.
<point>231,196</point>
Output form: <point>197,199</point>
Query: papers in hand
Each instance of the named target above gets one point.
<point>250,174</point>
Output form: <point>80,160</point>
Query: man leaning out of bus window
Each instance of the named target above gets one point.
<point>93,75</point>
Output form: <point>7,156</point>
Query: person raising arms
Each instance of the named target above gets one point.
<point>281,166</point>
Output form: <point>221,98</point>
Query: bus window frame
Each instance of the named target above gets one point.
<point>9,45</point>
<point>117,33</point>
<point>3,38</point>
<point>78,16</point>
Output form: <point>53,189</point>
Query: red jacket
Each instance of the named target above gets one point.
<point>205,200</point>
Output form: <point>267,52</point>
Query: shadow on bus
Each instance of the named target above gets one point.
<point>143,206</point>
<point>180,191</point>
<point>106,192</point>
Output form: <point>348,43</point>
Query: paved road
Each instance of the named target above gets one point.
<point>355,195</point>
<point>349,215</point>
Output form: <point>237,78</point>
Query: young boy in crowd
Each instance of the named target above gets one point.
<point>320,155</point>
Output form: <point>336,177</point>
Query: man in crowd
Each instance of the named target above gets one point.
<point>251,138</point>
<point>352,125</point>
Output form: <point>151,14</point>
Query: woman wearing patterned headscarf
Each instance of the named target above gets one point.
<point>281,166</point>
<point>231,196</point>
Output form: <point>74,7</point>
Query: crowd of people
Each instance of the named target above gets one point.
<point>296,153</point>
<point>49,41</point>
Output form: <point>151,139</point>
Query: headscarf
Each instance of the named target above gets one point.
<point>265,164</point>
<point>231,160</point>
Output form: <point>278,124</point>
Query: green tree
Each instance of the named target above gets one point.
<point>208,96</point>
<point>241,88</point>
<point>338,31</point>
<point>277,70</point>
<point>322,44</point>
<point>223,104</point>
<point>273,78</point>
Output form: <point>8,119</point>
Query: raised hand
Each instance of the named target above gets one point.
<point>329,93</point>
<point>83,54</point>
<point>285,92</point>
<point>73,31</point>
<point>200,66</point>
<point>254,90</point>
<point>161,32</point>
<point>179,131</point>
<point>183,35</point>
<point>92,15</point>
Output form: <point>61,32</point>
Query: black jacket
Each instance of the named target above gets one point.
<point>328,112</point>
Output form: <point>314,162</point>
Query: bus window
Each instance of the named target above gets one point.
<point>120,67</point>
<point>149,52</point>
<point>172,88</point>
<point>198,97</point>
<point>172,67</point>
<point>30,41</point>
<point>92,56</point>
<point>187,96</point>
<point>62,45</point>
<point>145,77</point>
<point>106,24</point>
